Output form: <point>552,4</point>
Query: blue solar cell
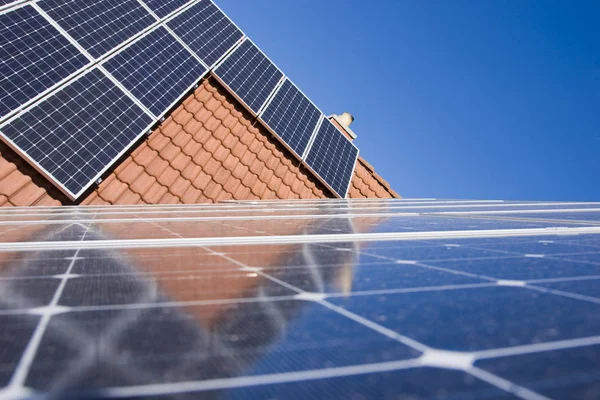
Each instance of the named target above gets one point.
<point>34,56</point>
<point>162,8</point>
<point>156,69</point>
<point>292,116</point>
<point>78,131</point>
<point>250,74</point>
<point>332,156</point>
<point>206,30</point>
<point>99,25</point>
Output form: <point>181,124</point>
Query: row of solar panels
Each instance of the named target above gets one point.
<point>85,80</point>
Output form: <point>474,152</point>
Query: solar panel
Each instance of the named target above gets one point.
<point>99,25</point>
<point>206,30</point>
<point>34,57</point>
<point>156,69</point>
<point>250,74</point>
<point>292,116</point>
<point>162,8</point>
<point>333,157</point>
<point>314,311</point>
<point>77,132</point>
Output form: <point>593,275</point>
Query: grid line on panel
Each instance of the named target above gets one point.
<point>75,134</point>
<point>34,56</point>
<point>162,8</point>
<point>206,31</point>
<point>99,25</point>
<point>292,116</point>
<point>333,157</point>
<point>156,69</point>
<point>250,74</point>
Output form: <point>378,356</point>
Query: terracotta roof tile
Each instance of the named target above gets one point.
<point>212,124</point>
<point>27,193</point>
<point>221,153</point>
<point>239,149</point>
<point>142,183</point>
<point>233,184</point>
<point>45,200</point>
<point>181,116</point>
<point>144,155</point>
<point>169,176</point>
<point>131,173</point>
<point>168,198</point>
<point>154,193</point>
<point>284,191</point>
<point>240,170</point>
<point>111,189</point>
<point>274,183</point>
<point>191,195</point>
<point>212,190</point>
<point>201,180</point>
<point>289,178</point>
<point>157,166</point>
<point>192,104</point>
<point>266,175</point>
<point>297,186</point>
<point>192,148</point>
<point>222,175</point>
<point>13,182</point>
<point>202,93</point>
<point>242,192</point>
<point>250,179</point>
<point>259,188</point>
<point>202,157</point>
<point>248,158</point>
<point>129,197</point>
<point>182,139</point>
<point>211,167</point>
<point>180,161</point>
<point>191,171</point>
<point>211,144</point>
<point>158,141</point>
<point>170,127</point>
<point>230,162</point>
<point>212,104</point>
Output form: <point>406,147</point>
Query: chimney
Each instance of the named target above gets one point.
<point>343,122</point>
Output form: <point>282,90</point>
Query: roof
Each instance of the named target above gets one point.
<point>207,150</point>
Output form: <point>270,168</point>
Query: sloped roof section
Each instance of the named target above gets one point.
<point>209,149</point>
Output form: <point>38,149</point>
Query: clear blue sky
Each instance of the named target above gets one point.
<point>452,99</point>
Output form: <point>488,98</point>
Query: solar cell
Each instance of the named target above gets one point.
<point>250,74</point>
<point>309,312</point>
<point>333,157</point>
<point>156,69</point>
<point>162,8</point>
<point>99,25</point>
<point>34,56</point>
<point>206,30</point>
<point>77,132</point>
<point>292,116</point>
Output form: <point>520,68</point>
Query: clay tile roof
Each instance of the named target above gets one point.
<point>208,149</point>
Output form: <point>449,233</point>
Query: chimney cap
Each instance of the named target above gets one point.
<point>344,122</point>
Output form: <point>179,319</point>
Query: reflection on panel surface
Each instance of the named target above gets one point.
<point>431,317</point>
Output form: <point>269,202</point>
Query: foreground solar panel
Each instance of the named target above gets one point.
<point>206,30</point>
<point>162,8</point>
<point>99,25</point>
<point>73,135</point>
<point>156,69</point>
<point>249,74</point>
<point>320,302</point>
<point>292,116</point>
<point>333,157</point>
<point>35,57</point>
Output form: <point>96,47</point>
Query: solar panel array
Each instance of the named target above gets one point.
<point>411,298</point>
<point>154,52</point>
<point>85,80</point>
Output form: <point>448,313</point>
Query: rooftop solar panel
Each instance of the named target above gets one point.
<point>156,69</point>
<point>99,25</point>
<point>34,56</point>
<point>333,157</point>
<point>162,8</point>
<point>206,30</point>
<point>75,134</point>
<point>249,74</point>
<point>310,312</point>
<point>292,116</point>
